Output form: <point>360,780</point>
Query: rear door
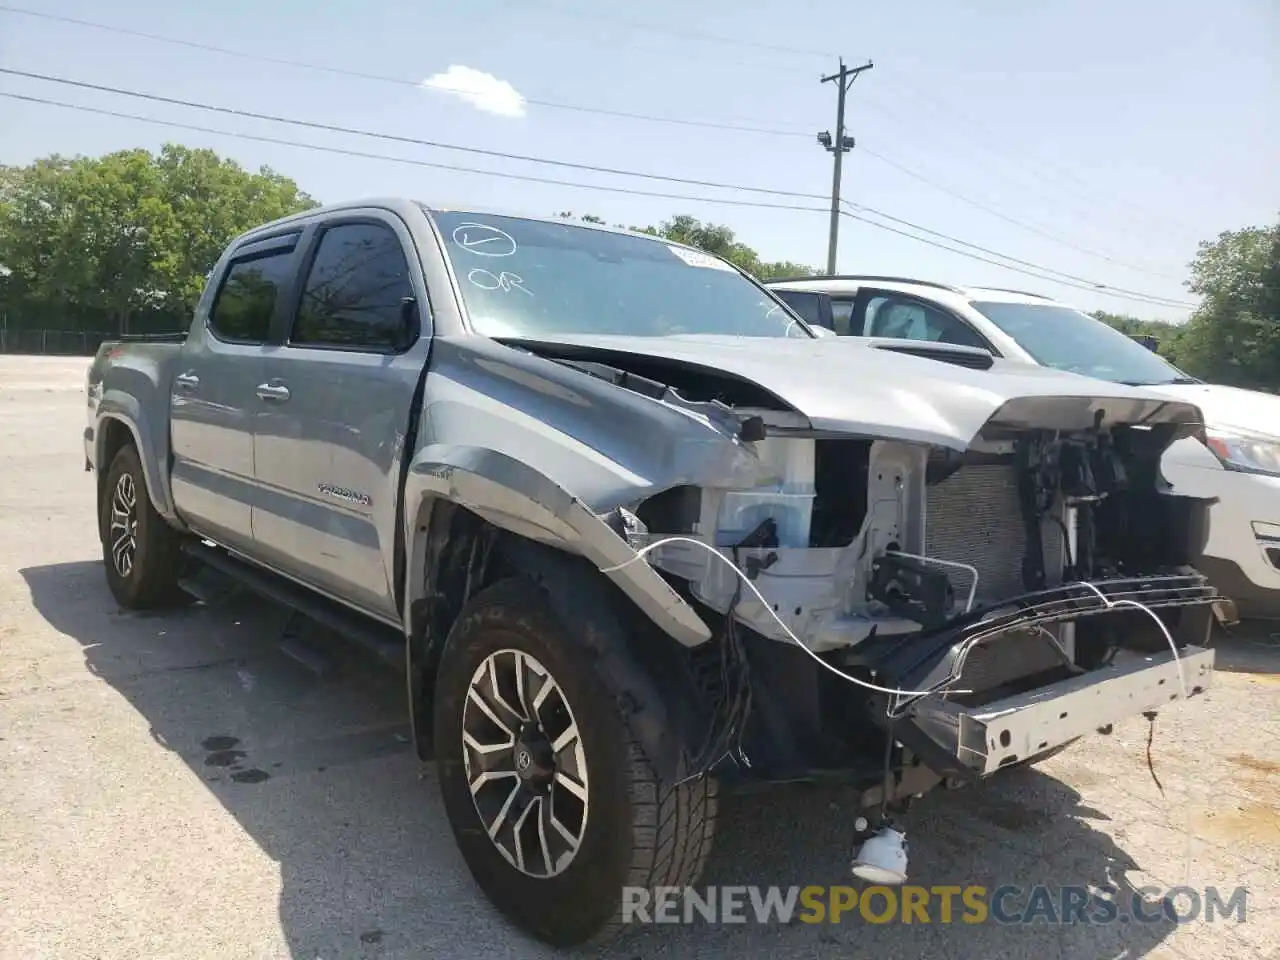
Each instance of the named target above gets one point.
<point>830,310</point>
<point>333,408</point>
<point>213,402</point>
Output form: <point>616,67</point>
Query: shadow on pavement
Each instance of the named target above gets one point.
<point>1251,646</point>
<point>318,770</point>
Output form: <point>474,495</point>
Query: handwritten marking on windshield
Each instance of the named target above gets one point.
<point>484,240</point>
<point>504,281</point>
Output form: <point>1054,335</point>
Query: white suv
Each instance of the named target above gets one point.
<point>1241,465</point>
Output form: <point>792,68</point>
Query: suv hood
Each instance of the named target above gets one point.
<point>1230,408</point>
<point>842,386</point>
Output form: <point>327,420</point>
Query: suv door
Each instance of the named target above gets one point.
<point>334,406</point>
<point>887,313</point>
<point>212,402</point>
<point>813,308</point>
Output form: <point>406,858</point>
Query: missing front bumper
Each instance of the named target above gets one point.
<point>983,739</point>
<point>973,740</point>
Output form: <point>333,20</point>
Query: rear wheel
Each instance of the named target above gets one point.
<point>553,803</point>
<point>142,553</point>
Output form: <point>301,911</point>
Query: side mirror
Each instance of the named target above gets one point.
<point>823,331</point>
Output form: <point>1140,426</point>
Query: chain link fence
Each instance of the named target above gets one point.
<point>62,330</point>
<point>52,342</point>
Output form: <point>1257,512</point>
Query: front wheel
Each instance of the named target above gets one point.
<point>554,805</point>
<point>142,553</point>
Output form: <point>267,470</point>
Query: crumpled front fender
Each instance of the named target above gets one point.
<point>519,499</point>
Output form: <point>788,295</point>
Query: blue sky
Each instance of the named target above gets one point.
<point>1118,134</point>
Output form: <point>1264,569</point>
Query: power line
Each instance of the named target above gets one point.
<point>411,161</point>
<point>1029,226</point>
<point>615,171</point>
<point>395,138</point>
<point>749,125</point>
<point>1111,291</point>
<point>724,201</point>
<point>699,35</point>
<point>995,253</point>
<point>746,127</point>
<point>1039,167</point>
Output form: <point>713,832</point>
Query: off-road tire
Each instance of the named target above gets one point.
<point>640,832</point>
<point>152,581</point>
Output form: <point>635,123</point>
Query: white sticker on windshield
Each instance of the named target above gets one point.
<point>696,258</point>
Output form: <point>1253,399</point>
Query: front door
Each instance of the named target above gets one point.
<point>334,407</point>
<point>213,401</point>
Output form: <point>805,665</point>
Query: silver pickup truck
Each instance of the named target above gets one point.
<point>637,533</point>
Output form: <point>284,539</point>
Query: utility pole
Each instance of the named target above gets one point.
<point>839,147</point>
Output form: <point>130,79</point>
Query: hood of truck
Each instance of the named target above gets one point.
<point>1229,408</point>
<point>845,387</point>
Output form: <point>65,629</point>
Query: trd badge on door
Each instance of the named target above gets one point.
<point>342,493</point>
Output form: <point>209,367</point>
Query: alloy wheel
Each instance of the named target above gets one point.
<point>525,763</point>
<point>123,533</point>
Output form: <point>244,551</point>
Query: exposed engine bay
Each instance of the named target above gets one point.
<point>1021,566</point>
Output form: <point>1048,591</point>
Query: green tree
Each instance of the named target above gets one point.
<point>713,238</point>
<point>1234,336</point>
<point>130,230</point>
<point>1169,336</point>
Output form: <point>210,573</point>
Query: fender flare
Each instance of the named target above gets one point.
<point>125,409</point>
<point>519,499</point>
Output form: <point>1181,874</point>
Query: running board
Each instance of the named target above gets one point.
<point>386,643</point>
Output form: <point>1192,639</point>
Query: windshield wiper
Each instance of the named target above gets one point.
<point>1159,383</point>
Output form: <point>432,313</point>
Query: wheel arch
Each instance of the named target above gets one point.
<point>114,432</point>
<point>459,552</point>
<point>121,422</point>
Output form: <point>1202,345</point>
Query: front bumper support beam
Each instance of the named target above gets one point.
<point>993,735</point>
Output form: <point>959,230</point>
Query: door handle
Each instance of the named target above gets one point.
<point>186,382</point>
<point>273,391</point>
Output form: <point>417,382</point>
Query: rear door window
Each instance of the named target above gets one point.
<point>246,302</point>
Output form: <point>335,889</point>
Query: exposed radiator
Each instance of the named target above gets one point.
<point>973,517</point>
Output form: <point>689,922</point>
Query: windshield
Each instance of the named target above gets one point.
<point>1065,339</point>
<point>531,278</point>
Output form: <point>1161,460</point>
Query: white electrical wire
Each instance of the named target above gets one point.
<point>1173,647</point>
<point>640,554</point>
<point>1188,828</point>
<point>1108,603</point>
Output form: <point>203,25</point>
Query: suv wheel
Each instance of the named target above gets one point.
<point>554,805</point>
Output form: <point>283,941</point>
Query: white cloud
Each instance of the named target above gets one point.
<point>482,90</point>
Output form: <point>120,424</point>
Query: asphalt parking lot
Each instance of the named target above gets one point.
<point>175,786</point>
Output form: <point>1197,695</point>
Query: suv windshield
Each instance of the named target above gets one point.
<point>532,278</point>
<point>1065,339</point>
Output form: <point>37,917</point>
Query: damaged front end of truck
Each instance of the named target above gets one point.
<point>748,554</point>
<point>1015,595</point>
<point>929,598</point>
